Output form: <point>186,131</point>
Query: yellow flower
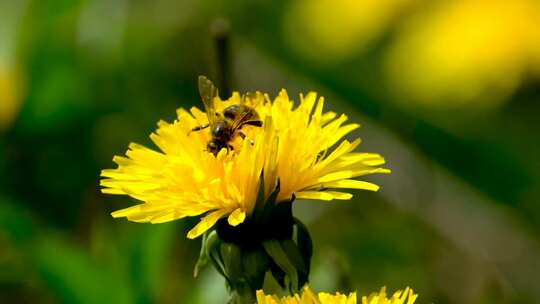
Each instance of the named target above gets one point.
<point>406,296</point>
<point>301,146</point>
<point>349,27</point>
<point>308,297</point>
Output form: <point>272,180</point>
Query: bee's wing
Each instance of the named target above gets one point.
<point>246,117</point>
<point>239,121</point>
<point>208,92</point>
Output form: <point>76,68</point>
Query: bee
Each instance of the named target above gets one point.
<point>224,127</point>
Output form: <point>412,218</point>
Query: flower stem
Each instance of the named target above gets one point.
<point>220,29</point>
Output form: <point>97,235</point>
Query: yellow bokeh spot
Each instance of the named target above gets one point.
<point>333,30</point>
<point>467,50</point>
<point>10,95</point>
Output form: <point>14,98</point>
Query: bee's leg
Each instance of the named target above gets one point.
<point>230,147</point>
<point>243,136</point>
<point>198,128</point>
<point>255,123</point>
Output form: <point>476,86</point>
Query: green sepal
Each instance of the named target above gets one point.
<point>271,239</point>
<point>260,202</point>
<point>255,263</point>
<point>213,248</point>
<point>278,274</point>
<point>275,250</point>
<point>264,206</point>
<point>203,257</point>
<point>303,239</point>
<point>304,244</point>
<point>295,256</point>
<point>291,258</point>
<point>231,256</point>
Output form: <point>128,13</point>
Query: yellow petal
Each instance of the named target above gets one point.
<point>206,223</point>
<point>126,211</point>
<point>340,195</point>
<point>351,173</point>
<point>318,195</point>
<point>336,176</point>
<point>341,133</point>
<point>261,298</point>
<point>139,218</point>
<point>307,102</point>
<point>111,173</point>
<point>352,298</point>
<point>327,117</point>
<point>167,216</point>
<point>323,195</point>
<point>369,159</point>
<point>237,217</point>
<point>112,191</point>
<point>352,184</point>
<point>317,114</point>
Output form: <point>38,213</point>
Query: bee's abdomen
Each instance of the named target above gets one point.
<point>238,111</point>
<point>232,111</point>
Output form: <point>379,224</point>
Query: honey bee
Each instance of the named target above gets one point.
<point>224,127</point>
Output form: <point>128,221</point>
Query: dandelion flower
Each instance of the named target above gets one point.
<point>300,147</point>
<point>406,296</point>
<point>309,297</point>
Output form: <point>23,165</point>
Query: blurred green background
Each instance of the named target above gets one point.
<point>448,91</point>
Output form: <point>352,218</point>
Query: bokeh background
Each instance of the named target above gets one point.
<point>447,90</point>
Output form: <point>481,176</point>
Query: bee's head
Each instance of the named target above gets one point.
<point>214,146</point>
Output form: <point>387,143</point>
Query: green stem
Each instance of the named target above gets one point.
<point>220,30</point>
